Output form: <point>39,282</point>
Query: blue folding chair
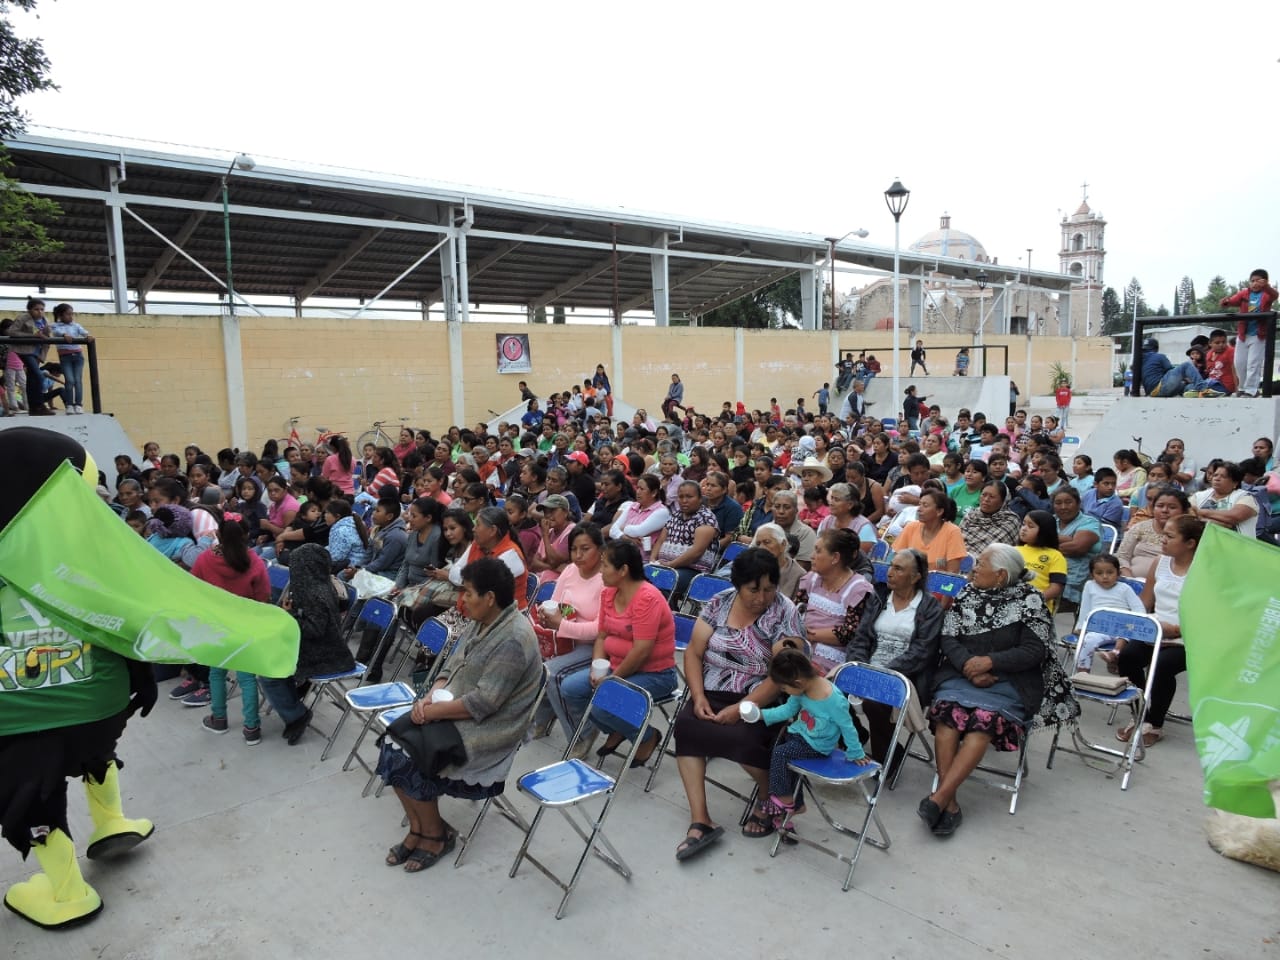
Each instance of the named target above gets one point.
<point>498,801</point>
<point>701,589</point>
<point>664,578</point>
<point>1067,643</point>
<point>731,552</point>
<point>878,685</point>
<point>880,571</point>
<point>568,783</point>
<point>371,700</point>
<point>881,551</point>
<point>677,699</point>
<point>334,686</point>
<point>531,584</point>
<point>966,566</point>
<point>1110,538</point>
<point>279,578</point>
<point>542,594</point>
<point>1135,628</point>
<point>945,586</point>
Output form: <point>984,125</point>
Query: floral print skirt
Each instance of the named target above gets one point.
<point>1004,733</point>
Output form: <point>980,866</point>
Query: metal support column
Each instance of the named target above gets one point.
<point>915,305</point>
<point>739,358</point>
<point>659,267</point>
<point>809,295</point>
<point>449,278</point>
<point>1064,315</point>
<point>457,399</point>
<point>464,289</point>
<point>233,358</point>
<point>115,246</point>
<point>617,372</point>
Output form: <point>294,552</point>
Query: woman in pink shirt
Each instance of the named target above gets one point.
<point>568,625</point>
<point>638,636</point>
<point>339,466</point>
<point>283,508</point>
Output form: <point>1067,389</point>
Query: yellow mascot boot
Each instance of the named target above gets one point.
<point>113,834</point>
<point>58,897</point>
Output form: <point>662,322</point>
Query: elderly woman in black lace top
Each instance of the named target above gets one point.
<point>996,669</point>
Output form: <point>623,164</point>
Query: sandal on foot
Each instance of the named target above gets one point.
<point>761,821</point>
<point>707,835</point>
<point>421,859</point>
<point>401,852</point>
<point>1125,733</point>
<point>1151,735</point>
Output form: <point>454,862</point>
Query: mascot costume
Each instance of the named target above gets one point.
<point>85,607</point>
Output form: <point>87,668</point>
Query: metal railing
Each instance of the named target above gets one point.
<point>91,360</point>
<point>1223,321</point>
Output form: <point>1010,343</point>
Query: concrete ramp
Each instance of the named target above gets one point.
<point>989,395</point>
<point>622,413</point>
<point>100,434</point>
<point>1224,428</point>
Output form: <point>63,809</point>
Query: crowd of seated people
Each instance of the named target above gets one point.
<point>582,504</point>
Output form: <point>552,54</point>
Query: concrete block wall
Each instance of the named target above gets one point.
<point>164,377</point>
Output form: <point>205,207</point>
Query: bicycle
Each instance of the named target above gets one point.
<point>293,439</point>
<point>377,436</point>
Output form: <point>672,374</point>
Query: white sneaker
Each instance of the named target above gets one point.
<point>79,409</point>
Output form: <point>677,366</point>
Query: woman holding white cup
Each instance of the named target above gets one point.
<point>636,637</point>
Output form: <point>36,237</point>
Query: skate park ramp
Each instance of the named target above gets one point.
<point>100,434</point>
<point>1224,427</point>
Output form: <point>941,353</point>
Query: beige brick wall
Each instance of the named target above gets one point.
<point>163,377</point>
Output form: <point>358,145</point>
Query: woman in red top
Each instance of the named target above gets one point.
<point>387,466</point>
<point>638,636</point>
<point>235,568</point>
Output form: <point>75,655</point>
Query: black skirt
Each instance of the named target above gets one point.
<point>746,743</point>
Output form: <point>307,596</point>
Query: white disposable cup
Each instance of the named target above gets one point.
<point>441,696</point>
<point>599,669</point>
<point>749,712</point>
<point>549,607</point>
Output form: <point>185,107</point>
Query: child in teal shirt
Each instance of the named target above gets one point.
<point>821,719</point>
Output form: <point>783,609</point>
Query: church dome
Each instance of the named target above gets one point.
<point>945,242</point>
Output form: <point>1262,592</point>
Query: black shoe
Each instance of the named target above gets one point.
<point>948,823</point>
<point>930,813</point>
<point>294,730</point>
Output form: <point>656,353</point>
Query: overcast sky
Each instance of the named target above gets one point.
<point>791,116</point>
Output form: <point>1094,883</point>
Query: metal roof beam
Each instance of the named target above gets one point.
<point>483,264</point>
<point>331,269</point>
<point>185,233</point>
<point>688,276</point>
<point>576,281</point>
<point>743,291</point>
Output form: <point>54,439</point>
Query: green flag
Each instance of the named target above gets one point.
<point>1230,618</point>
<point>90,574</point>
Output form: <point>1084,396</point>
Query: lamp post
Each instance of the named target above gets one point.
<point>982,279</point>
<point>242,161</point>
<point>831,258</point>
<point>896,198</point>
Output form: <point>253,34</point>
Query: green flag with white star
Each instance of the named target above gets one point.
<point>1230,618</point>
<point>72,558</point>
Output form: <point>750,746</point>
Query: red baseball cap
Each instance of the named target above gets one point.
<point>581,457</point>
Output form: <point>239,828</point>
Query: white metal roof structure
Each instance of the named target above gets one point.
<point>138,220</point>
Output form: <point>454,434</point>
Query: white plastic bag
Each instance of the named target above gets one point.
<point>371,585</point>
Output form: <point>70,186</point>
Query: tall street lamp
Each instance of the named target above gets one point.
<point>831,257</point>
<point>242,161</point>
<point>982,279</point>
<point>896,198</point>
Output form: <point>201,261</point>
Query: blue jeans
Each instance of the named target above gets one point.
<point>561,668</point>
<point>248,695</point>
<point>73,375</point>
<point>283,697</point>
<point>35,393</point>
<point>576,690</point>
<point>1180,379</point>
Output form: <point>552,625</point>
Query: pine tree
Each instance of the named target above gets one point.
<point>1185,301</point>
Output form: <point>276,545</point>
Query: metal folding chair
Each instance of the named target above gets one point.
<point>701,589</point>
<point>530,584</point>
<point>664,578</point>
<point>1110,537</point>
<point>881,551</point>
<point>966,566</point>
<point>375,612</point>
<point>671,706</point>
<point>880,571</point>
<point>498,801</point>
<point>567,784</point>
<point>1067,643</point>
<point>542,594</point>
<point>279,577</point>
<point>869,683</point>
<point>1135,628</point>
<point>731,552</point>
<point>945,586</point>
<point>371,700</point>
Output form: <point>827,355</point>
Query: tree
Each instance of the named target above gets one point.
<point>23,69</point>
<point>1113,319</point>
<point>1185,302</point>
<point>1133,294</point>
<point>1218,288</point>
<point>774,306</point>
